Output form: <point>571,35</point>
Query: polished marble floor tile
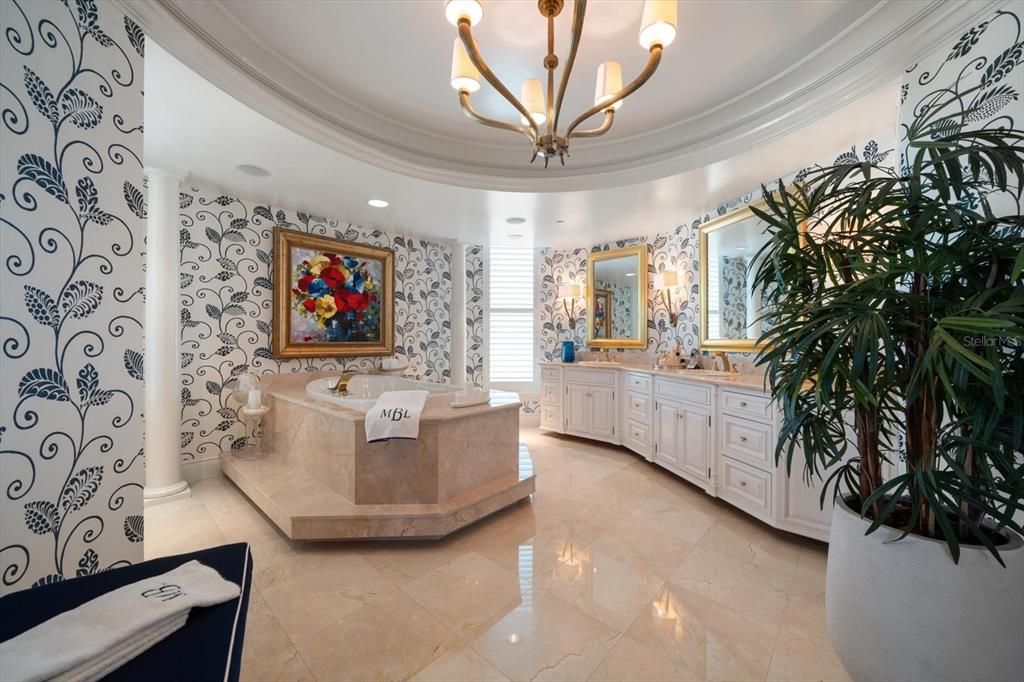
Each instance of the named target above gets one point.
<point>615,570</point>
<point>391,638</point>
<point>545,638</point>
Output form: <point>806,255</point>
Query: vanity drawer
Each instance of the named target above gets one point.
<point>637,436</point>
<point>681,390</point>
<point>591,377</point>
<point>549,417</point>
<point>638,382</point>
<point>747,440</point>
<point>551,373</point>
<point>746,487</point>
<point>549,393</point>
<point>747,405</point>
<point>638,407</point>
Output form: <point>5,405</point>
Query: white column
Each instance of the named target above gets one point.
<point>164,481</point>
<point>458,354</point>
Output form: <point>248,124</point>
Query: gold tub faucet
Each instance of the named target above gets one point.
<point>342,385</point>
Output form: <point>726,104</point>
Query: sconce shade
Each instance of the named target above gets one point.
<point>569,291</point>
<point>464,73</point>
<point>666,280</point>
<point>658,26</point>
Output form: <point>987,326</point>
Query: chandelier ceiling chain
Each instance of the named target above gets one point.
<point>657,31</point>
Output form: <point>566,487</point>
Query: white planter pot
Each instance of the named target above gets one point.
<point>904,611</point>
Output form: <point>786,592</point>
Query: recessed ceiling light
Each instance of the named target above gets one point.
<point>378,203</point>
<point>515,221</point>
<point>515,236</point>
<point>255,171</point>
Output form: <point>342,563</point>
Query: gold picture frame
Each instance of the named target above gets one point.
<point>717,344</point>
<point>640,252</point>
<point>360,286</point>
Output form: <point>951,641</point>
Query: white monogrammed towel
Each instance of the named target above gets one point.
<point>93,639</point>
<point>396,414</point>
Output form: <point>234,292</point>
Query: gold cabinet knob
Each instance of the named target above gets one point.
<point>743,403</point>
<point>743,439</point>
<point>743,484</point>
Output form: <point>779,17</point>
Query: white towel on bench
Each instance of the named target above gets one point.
<point>396,414</point>
<point>99,636</point>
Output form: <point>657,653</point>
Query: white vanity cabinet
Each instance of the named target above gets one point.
<point>581,402</point>
<point>719,436</point>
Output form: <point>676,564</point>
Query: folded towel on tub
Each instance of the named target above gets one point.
<point>396,414</point>
<point>93,639</point>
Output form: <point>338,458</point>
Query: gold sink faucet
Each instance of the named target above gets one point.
<point>726,365</point>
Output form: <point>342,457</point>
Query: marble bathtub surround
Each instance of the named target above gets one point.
<point>592,579</point>
<point>318,478</point>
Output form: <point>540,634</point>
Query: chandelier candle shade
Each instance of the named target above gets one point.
<point>539,113</point>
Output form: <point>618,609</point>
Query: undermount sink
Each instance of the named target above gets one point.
<point>598,363</point>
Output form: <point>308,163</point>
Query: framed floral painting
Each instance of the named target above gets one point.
<point>331,297</point>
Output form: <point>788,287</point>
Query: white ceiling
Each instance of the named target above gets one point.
<point>377,65</point>
<point>370,78</point>
<point>192,125</point>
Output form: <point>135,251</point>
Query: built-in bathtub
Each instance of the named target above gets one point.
<point>364,389</point>
<point>317,477</point>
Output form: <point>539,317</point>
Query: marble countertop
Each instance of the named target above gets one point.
<point>752,382</point>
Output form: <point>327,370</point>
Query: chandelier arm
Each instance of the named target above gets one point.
<point>549,64</point>
<point>478,61</point>
<point>468,109</point>
<point>609,118</point>
<point>649,69</point>
<point>578,13</point>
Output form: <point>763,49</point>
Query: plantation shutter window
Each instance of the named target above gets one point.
<point>510,342</point>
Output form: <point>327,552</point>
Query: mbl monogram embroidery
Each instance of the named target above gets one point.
<point>163,593</point>
<point>395,414</point>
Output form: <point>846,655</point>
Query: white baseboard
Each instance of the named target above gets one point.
<point>198,470</point>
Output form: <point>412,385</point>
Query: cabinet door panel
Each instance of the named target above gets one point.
<point>693,441</point>
<point>577,409</point>
<point>602,411</point>
<point>665,432</point>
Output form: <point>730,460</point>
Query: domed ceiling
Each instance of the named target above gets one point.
<point>370,79</point>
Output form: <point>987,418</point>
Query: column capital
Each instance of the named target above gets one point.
<point>155,173</point>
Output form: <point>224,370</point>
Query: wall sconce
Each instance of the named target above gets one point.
<point>665,282</point>
<point>569,293</point>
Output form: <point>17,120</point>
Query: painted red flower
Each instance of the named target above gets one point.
<point>309,304</point>
<point>332,277</point>
<point>335,260</point>
<point>304,282</point>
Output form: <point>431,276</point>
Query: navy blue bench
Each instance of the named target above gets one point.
<point>209,647</point>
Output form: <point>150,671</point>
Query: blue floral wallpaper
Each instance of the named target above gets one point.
<point>71,209</point>
<point>226,308</point>
<point>475,316</point>
<point>982,69</point>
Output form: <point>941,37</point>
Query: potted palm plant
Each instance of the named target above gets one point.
<point>896,306</point>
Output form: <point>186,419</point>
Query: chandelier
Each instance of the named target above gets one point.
<point>539,115</point>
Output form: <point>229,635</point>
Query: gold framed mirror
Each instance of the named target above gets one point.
<point>729,310</point>
<point>617,298</point>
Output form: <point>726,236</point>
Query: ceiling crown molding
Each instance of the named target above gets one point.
<point>869,54</point>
